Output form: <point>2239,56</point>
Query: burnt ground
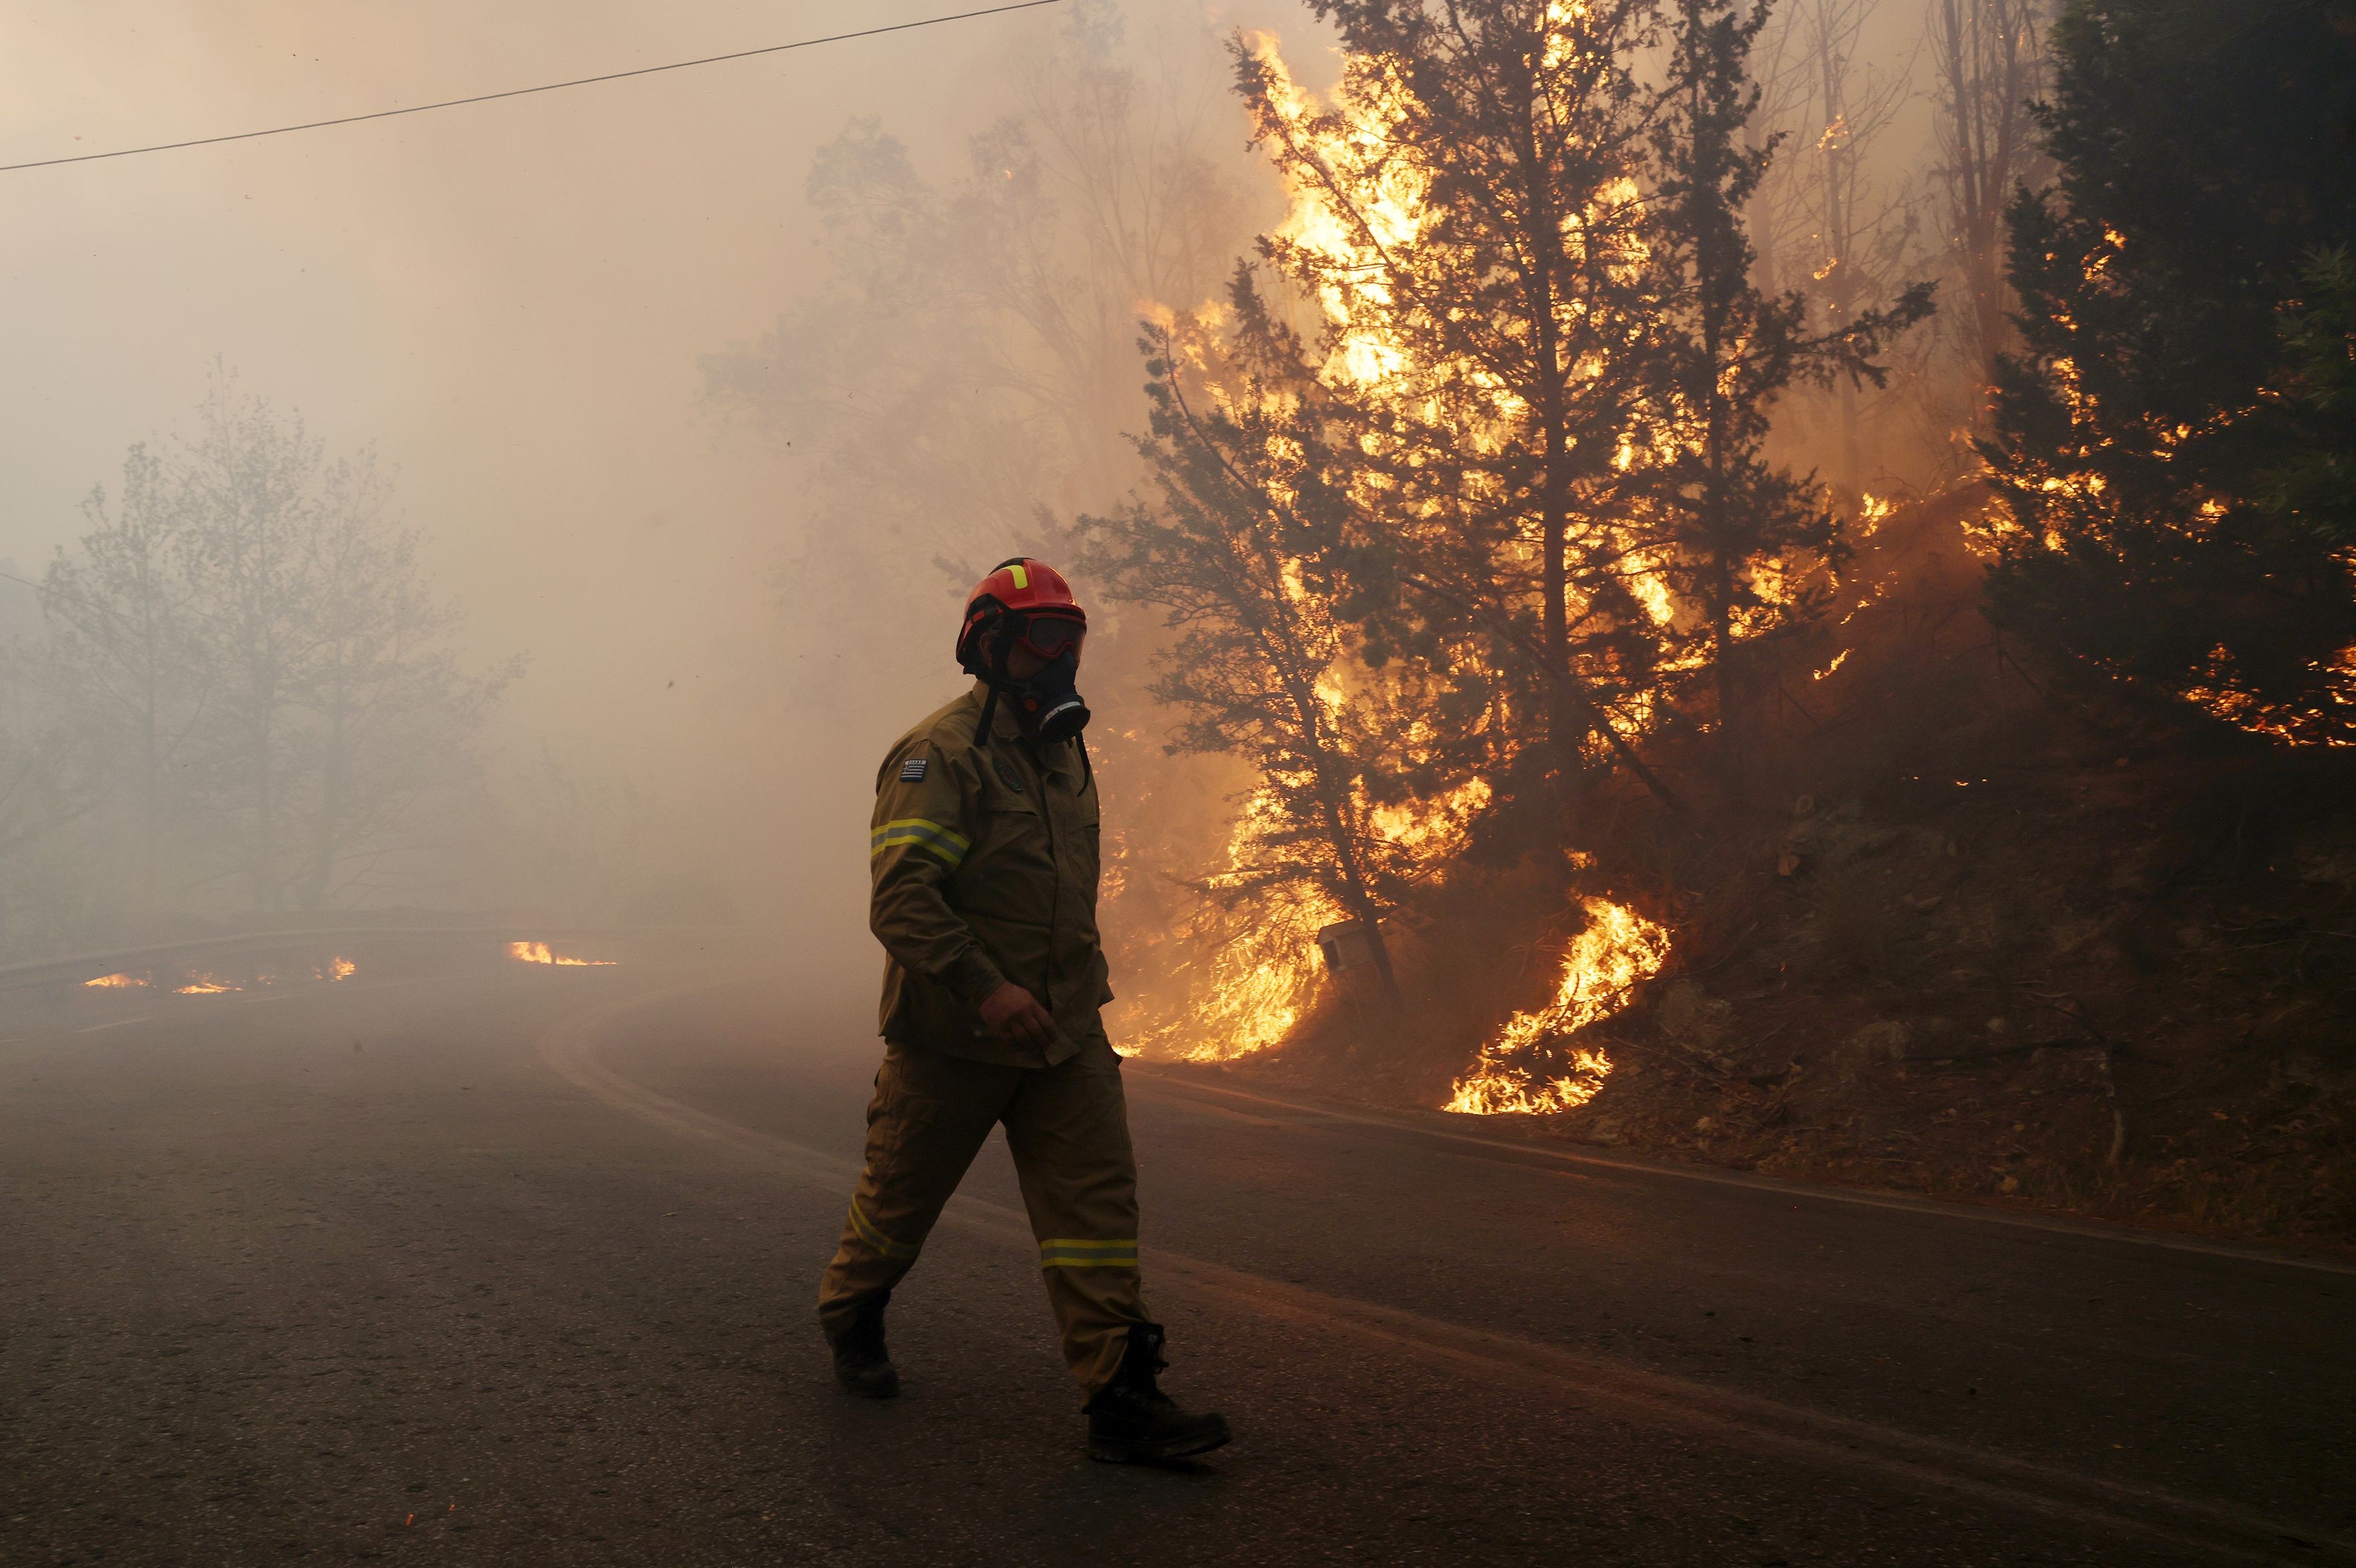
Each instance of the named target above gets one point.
<point>1975,933</point>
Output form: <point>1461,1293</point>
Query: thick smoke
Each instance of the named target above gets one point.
<point>703,395</point>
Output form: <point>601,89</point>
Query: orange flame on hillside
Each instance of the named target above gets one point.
<point>1357,191</point>
<point>538,953</point>
<point>117,981</point>
<point>1263,983</point>
<point>1618,949</point>
<point>204,985</point>
<point>2225,695</point>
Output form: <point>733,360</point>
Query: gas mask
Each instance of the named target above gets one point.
<point>1049,704</point>
<point>1046,703</point>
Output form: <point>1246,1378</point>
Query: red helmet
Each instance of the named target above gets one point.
<point>1029,603</point>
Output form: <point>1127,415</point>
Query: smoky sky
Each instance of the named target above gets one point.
<point>510,301</point>
<point>507,299</point>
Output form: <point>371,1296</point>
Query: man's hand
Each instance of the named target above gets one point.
<point>1013,1014</point>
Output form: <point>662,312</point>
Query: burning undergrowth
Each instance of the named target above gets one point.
<point>1978,935</point>
<point>1607,772</point>
<point>1617,949</point>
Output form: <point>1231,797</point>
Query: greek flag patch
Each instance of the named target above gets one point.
<point>913,770</point>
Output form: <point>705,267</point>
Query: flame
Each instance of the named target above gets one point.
<point>117,981</point>
<point>537,952</point>
<point>1263,981</point>
<point>1261,984</point>
<point>2078,493</point>
<point>1618,949</point>
<point>2225,695</point>
<point>1430,829</point>
<point>1357,184</point>
<point>1389,188</point>
<point>204,985</point>
<point>1263,978</point>
<point>338,969</point>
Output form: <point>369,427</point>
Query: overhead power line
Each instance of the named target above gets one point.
<point>527,92</point>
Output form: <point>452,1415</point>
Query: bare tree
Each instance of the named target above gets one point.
<point>123,662</point>
<point>1990,56</point>
<point>252,487</point>
<point>52,782</point>
<point>1825,221</point>
<point>388,713</point>
<point>248,638</point>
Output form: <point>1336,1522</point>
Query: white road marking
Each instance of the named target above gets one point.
<point>1816,1437</point>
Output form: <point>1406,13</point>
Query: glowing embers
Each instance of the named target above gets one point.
<point>2223,693</point>
<point>1618,949</point>
<point>117,983</point>
<point>538,953</point>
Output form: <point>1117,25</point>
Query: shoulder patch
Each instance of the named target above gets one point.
<point>913,770</point>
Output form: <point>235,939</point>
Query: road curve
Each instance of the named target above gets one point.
<point>518,1267</point>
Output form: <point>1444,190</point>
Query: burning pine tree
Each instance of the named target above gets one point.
<point>2142,438</point>
<point>1497,512</point>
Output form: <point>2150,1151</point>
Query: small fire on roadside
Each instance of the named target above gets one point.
<point>538,953</point>
<point>1618,949</point>
<point>203,984</point>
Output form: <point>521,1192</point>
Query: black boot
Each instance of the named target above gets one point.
<point>862,1365</point>
<point>1133,1422</point>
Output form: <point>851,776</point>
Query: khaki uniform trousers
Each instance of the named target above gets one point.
<point>1067,1126</point>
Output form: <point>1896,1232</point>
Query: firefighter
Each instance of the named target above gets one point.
<point>983,856</point>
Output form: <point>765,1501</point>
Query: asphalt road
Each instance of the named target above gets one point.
<point>517,1267</point>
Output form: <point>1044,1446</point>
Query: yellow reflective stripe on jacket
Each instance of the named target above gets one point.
<point>945,842</point>
<point>1075,1252</point>
<point>875,1238</point>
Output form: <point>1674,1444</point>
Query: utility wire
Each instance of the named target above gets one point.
<point>527,91</point>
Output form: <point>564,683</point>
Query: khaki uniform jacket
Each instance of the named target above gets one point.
<point>983,867</point>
